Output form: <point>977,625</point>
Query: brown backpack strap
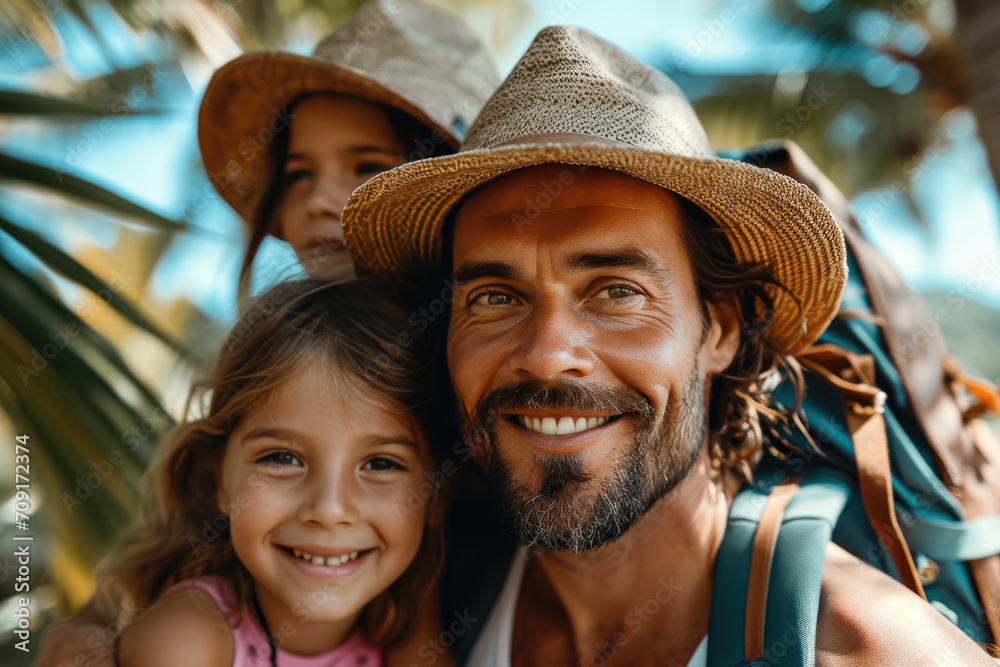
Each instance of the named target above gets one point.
<point>760,566</point>
<point>854,375</point>
<point>986,573</point>
<point>911,333</point>
<point>932,381</point>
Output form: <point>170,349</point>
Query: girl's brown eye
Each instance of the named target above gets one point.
<point>381,463</point>
<point>296,175</point>
<point>282,458</point>
<point>370,169</point>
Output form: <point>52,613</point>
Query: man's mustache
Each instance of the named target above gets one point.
<point>578,396</point>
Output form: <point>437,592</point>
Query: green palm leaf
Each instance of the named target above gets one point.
<point>65,265</point>
<point>29,104</point>
<point>66,184</point>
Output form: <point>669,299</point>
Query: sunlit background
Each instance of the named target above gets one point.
<point>119,263</point>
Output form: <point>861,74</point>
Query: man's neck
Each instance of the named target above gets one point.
<point>652,587</point>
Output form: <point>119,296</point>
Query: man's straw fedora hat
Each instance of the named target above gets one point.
<point>575,99</point>
<point>402,53</point>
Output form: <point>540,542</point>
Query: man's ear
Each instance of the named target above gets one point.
<point>723,336</point>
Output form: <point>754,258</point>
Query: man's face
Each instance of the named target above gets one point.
<point>579,349</point>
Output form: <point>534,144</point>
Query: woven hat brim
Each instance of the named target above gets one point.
<point>246,95</point>
<point>392,223</point>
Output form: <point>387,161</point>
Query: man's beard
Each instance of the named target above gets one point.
<point>562,506</point>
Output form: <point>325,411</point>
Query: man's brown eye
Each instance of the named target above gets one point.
<point>494,299</point>
<point>617,292</point>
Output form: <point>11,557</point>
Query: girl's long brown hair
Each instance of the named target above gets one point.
<point>181,533</point>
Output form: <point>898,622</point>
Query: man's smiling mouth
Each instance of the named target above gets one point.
<point>557,425</point>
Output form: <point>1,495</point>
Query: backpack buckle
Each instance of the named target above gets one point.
<point>877,406</point>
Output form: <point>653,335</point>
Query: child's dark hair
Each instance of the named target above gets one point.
<point>181,533</point>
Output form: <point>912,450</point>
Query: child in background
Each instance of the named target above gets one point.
<point>282,530</point>
<point>286,139</point>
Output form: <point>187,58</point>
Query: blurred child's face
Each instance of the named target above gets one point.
<point>335,144</point>
<point>324,472</point>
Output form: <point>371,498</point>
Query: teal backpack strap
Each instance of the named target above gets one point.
<point>768,571</point>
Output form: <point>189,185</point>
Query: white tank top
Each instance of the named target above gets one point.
<point>492,648</point>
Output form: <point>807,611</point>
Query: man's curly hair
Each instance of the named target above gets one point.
<point>741,394</point>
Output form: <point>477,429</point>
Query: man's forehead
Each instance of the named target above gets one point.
<point>600,219</point>
<point>548,188</point>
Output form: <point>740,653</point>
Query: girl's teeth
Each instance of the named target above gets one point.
<point>560,426</point>
<point>330,561</point>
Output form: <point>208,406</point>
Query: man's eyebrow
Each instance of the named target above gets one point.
<point>634,258</point>
<point>472,270</point>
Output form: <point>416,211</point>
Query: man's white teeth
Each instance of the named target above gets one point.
<point>562,426</point>
<point>332,560</point>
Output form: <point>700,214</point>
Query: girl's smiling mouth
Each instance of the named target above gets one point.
<point>327,566</point>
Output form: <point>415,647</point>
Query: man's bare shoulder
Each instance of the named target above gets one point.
<point>185,626</point>
<point>868,618</point>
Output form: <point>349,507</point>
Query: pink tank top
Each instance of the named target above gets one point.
<point>252,650</point>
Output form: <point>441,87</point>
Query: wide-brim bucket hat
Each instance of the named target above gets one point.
<point>578,100</point>
<point>402,53</point>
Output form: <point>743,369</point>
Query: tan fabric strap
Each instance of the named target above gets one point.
<point>871,453</point>
<point>986,573</point>
<point>760,566</point>
<point>864,404</point>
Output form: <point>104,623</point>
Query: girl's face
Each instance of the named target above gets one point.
<point>335,144</point>
<point>322,487</point>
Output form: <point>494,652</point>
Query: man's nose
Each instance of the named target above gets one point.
<point>331,500</point>
<point>554,344</point>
